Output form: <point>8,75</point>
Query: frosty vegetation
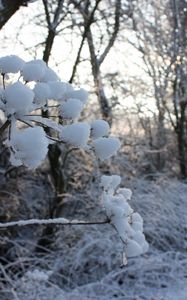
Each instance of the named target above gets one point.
<point>33,87</point>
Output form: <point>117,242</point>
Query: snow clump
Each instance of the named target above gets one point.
<point>49,75</point>
<point>128,224</point>
<point>29,147</point>
<point>80,94</point>
<point>71,109</point>
<point>19,98</point>
<point>59,90</point>
<point>11,64</point>
<point>109,183</point>
<point>76,134</point>
<point>99,128</point>
<point>41,93</point>
<point>38,275</point>
<point>34,70</point>
<point>106,147</point>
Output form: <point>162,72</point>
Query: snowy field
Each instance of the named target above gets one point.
<point>85,263</point>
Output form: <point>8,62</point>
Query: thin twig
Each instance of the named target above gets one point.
<point>4,126</point>
<point>57,221</point>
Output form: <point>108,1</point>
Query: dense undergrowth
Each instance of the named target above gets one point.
<point>85,262</point>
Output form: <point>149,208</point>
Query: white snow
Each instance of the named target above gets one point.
<point>127,193</point>
<point>11,64</point>
<point>80,94</point>
<point>71,109</point>
<point>133,249</point>
<point>110,182</point>
<point>41,93</point>
<point>37,275</point>
<point>106,147</point>
<point>29,147</point>
<point>99,128</point>
<point>36,222</point>
<point>76,134</point>
<point>45,121</point>
<point>19,98</point>
<point>137,226</point>
<point>137,218</point>
<point>120,214</point>
<point>49,75</point>
<point>34,70</point>
<point>58,90</point>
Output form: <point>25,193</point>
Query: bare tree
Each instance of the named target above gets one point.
<point>178,21</point>
<point>160,28</point>
<point>96,41</point>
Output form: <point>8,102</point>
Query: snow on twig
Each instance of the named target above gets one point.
<point>58,221</point>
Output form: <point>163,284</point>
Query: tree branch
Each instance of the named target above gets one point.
<point>47,15</point>
<point>55,221</point>
<point>114,34</point>
<point>4,126</point>
<point>86,28</point>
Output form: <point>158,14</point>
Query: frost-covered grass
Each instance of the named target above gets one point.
<point>85,262</point>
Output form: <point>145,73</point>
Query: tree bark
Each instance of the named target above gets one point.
<point>106,110</point>
<point>182,149</point>
<point>48,45</point>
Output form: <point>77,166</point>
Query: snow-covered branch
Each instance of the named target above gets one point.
<point>55,221</point>
<point>20,101</point>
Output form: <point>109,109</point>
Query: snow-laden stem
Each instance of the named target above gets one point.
<point>57,221</point>
<point>3,76</point>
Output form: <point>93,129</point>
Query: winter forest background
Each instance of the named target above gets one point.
<point>131,57</point>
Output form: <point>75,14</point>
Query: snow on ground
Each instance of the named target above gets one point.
<point>85,263</point>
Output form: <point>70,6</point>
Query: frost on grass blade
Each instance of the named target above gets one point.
<point>11,64</point>
<point>106,147</point>
<point>76,134</point>
<point>38,275</point>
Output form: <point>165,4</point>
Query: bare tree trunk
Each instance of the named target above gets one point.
<point>55,151</point>
<point>106,110</point>
<point>96,61</point>
<point>160,140</point>
<point>181,139</point>
<point>48,45</point>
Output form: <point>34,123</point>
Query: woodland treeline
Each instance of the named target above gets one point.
<point>156,31</point>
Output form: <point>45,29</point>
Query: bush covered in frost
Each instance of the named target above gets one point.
<point>36,88</point>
